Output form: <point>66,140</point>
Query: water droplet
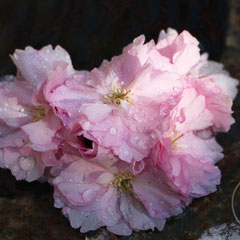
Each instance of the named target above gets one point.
<point>153,135</point>
<point>27,163</point>
<point>136,117</point>
<point>110,211</point>
<point>15,169</point>
<point>146,226</point>
<point>113,130</point>
<point>90,82</point>
<point>141,143</point>
<point>126,153</point>
<point>175,89</point>
<point>86,125</point>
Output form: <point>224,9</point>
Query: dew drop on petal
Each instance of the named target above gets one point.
<point>86,125</point>
<point>110,211</point>
<point>146,226</point>
<point>113,130</point>
<point>27,163</point>
<point>153,135</point>
<point>15,169</point>
<point>136,117</point>
<point>141,143</point>
<point>126,153</point>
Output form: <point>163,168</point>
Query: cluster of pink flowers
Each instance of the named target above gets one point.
<point>126,145</point>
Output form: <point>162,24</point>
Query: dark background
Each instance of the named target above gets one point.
<point>93,30</point>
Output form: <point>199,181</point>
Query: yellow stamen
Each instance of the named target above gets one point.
<point>37,112</point>
<point>171,135</point>
<point>117,94</point>
<point>122,182</point>
<point>175,140</point>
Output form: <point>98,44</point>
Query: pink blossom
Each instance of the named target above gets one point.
<point>22,102</point>
<point>182,50</point>
<point>34,65</point>
<point>126,145</point>
<point>24,163</point>
<point>188,162</point>
<point>120,105</point>
<point>214,70</point>
<point>27,121</point>
<point>177,46</point>
<point>104,192</point>
<point>203,105</point>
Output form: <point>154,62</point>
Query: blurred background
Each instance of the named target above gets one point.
<point>93,30</point>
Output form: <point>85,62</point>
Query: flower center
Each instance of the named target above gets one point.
<point>37,112</point>
<point>117,94</point>
<point>174,139</point>
<point>122,182</point>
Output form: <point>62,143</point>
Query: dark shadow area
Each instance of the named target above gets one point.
<point>92,30</point>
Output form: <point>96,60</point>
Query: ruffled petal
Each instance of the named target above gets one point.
<point>34,65</point>
<point>41,133</point>
<point>24,167</point>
